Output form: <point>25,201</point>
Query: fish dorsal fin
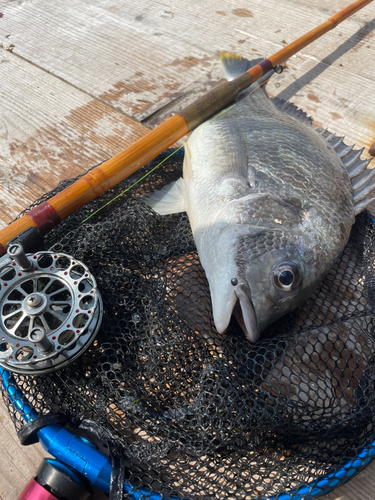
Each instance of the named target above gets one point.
<point>292,110</point>
<point>234,65</point>
<point>361,177</point>
<point>168,200</point>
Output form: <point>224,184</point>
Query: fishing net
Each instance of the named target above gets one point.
<point>196,414</point>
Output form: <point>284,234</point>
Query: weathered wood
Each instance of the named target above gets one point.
<point>104,59</point>
<point>50,131</point>
<point>305,40</point>
<point>164,135</point>
<point>150,57</point>
<point>17,464</point>
<point>361,487</point>
<point>99,180</point>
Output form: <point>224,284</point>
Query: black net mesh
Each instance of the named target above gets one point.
<point>200,415</point>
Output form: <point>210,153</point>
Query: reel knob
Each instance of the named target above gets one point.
<point>15,252</point>
<point>50,310</point>
<point>38,336</point>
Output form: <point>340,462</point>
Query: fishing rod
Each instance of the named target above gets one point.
<point>94,183</point>
<point>41,284</point>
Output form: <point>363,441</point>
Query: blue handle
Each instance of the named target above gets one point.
<point>85,458</point>
<point>71,450</point>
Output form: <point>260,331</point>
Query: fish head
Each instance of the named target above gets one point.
<point>265,275</point>
<point>277,282</point>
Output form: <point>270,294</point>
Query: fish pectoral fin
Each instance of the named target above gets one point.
<point>169,200</point>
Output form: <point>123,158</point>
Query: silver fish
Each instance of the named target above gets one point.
<point>271,201</point>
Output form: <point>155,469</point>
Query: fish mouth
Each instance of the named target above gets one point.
<point>238,303</point>
<point>245,314</point>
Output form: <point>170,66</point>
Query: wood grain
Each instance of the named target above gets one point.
<point>302,42</point>
<point>361,487</point>
<point>103,177</point>
<point>151,58</point>
<point>81,72</point>
<point>50,132</point>
<point>17,464</point>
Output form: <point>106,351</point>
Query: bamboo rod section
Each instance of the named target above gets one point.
<point>125,163</point>
<point>102,178</point>
<point>331,23</point>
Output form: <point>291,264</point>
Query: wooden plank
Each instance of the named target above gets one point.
<point>50,131</point>
<point>361,487</point>
<point>17,464</point>
<point>346,106</point>
<point>79,67</point>
<point>150,58</point>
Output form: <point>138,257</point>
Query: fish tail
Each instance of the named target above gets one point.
<point>235,66</point>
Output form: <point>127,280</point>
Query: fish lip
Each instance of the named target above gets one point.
<point>245,314</point>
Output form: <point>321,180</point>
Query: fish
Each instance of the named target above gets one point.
<point>271,200</point>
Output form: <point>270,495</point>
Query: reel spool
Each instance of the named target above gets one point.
<point>50,310</point>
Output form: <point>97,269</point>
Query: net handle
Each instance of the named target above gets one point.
<point>96,467</point>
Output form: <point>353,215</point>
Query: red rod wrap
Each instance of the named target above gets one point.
<point>266,66</point>
<point>45,217</point>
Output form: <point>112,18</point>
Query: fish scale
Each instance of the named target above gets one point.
<point>291,142</point>
<point>271,201</point>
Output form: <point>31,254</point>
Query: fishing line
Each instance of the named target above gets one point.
<point>165,159</point>
<point>153,169</point>
<point>260,85</point>
<point>134,184</point>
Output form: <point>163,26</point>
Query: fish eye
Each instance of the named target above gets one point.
<point>286,276</point>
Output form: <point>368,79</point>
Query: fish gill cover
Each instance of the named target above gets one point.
<point>196,414</point>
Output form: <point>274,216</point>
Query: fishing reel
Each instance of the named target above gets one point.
<point>50,310</point>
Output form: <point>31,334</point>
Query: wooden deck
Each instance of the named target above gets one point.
<point>82,79</point>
